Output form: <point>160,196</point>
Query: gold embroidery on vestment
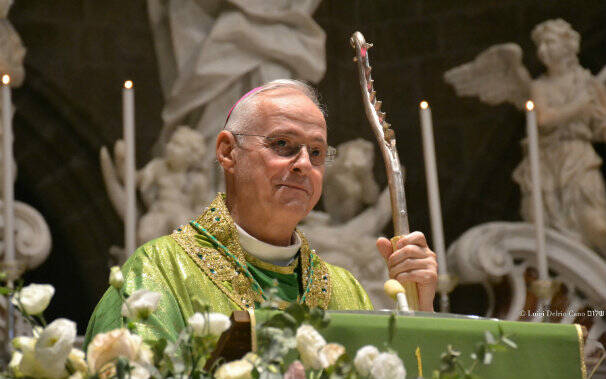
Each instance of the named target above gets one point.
<point>221,269</point>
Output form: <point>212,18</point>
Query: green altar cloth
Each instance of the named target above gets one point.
<point>545,351</point>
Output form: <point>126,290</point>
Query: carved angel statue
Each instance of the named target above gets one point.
<point>356,213</point>
<point>571,114</point>
<point>173,187</point>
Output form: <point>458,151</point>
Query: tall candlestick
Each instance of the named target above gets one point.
<point>537,198</point>
<point>431,174</point>
<point>7,162</point>
<point>128,113</point>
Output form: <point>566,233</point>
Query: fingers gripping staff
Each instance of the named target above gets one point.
<point>387,144</point>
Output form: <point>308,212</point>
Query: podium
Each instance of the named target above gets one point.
<point>544,350</point>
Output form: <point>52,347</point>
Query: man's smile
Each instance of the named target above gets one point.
<point>294,187</point>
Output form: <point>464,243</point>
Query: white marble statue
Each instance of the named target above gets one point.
<point>356,214</point>
<point>571,114</point>
<point>211,52</point>
<point>32,235</point>
<point>503,254</point>
<point>173,187</point>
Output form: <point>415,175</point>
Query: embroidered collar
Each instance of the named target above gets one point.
<point>224,272</point>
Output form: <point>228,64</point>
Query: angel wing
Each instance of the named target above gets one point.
<point>495,76</point>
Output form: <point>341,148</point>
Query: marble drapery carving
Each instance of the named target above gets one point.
<point>211,52</point>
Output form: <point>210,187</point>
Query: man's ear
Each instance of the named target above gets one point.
<point>226,143</point>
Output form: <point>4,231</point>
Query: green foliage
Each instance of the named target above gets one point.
<point>452,368</point>
<point>342,369</point>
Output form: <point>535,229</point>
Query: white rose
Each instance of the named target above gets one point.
<point>388,366</point>
<point>37,354</point>
<point>309,343</point>
<point>140,304</point>
<point>77,361</point>
<point>364,359</point>
<point>13,365</point>
<point>216,324</point>
<point>138,372</point>
<point>240,369</point>
<point>22,342</point>
<point>27,364</point>
<point>116,279</point>
<point>54,345</point>
<point>197,322</point>
<point>106,347</point>
<point>330,353</point>
<point>34,298</point>
<point>76,375</point>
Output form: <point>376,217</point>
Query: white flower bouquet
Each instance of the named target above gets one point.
<point>293,333</point>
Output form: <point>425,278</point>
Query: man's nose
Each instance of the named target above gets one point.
<point>302,163</point>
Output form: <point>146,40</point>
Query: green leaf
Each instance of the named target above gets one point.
<point>449,375</point>
<point>130,326</point>
<point>122,367</point>
<point>298,311</point>
<point>158,349</point>
<point>498,348</point>
<point>5,291</point>
<point>282,320</point>
<point>200,304</point>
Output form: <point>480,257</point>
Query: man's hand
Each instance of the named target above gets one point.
<point>412,261</point>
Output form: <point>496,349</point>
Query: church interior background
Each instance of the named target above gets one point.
<point>79,52</point>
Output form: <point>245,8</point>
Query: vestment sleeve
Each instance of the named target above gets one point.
<point>153,267</point>
<point>347,293</point>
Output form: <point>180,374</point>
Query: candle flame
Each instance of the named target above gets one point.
<point>128,84</point>
<point>529,105</point>
<point>6,79</point>
<point>424,104</point>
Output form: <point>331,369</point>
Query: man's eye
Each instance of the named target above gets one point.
<point>316,152</point>
<point>281,142</point>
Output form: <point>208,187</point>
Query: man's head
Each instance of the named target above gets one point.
<point>267,179</point>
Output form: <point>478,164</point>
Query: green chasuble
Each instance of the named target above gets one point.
<point>190,268</point>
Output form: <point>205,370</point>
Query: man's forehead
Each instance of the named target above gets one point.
<point>282,108</point>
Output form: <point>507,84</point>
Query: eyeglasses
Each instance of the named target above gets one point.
<point>284,146</point>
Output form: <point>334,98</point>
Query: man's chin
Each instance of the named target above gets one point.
<point>296,203</point>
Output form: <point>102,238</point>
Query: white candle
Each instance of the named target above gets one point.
<point>7,162</point>
<point>537,198</point>
<point>431,174</point>
<point>128,113</point>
